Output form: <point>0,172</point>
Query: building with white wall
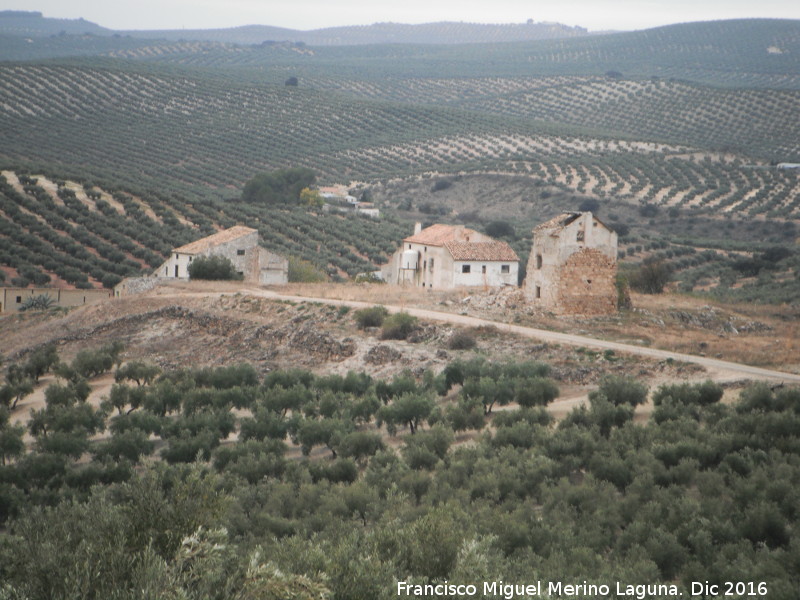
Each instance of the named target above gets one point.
<point>451,256</point>
<point>238,244</point>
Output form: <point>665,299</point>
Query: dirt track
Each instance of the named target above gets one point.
<point>718,370</point>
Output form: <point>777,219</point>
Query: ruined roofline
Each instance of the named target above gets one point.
<point>564,220</point>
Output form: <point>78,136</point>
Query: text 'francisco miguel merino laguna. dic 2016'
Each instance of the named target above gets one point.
<point>558,589</point>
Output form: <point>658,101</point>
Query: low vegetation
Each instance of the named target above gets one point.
<point>214,268</point>
<point>529,498</point>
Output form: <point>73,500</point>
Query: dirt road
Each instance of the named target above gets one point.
<point>718,370</point>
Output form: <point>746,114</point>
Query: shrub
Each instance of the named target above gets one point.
<point>650,277</point>
<point>214,268</point>
<point>461,340</point>
<point>302,271</point>
<point>398,326</point>
<point>371,317</point>
<point>441,184</point>
<point>40,302</point>
<point>501,229</point>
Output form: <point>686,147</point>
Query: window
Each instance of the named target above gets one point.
<point>505,268</point>
<point>465,269</point>
<point>176,270</point>
<point>431,266</point>
<point>240,253</point>
<point>176,257</point>
<point>19,299</point>
<point>538,261</point>
<point>190,259</point>
<point>538,292</point>
<point>483,269</point>
<point>580,236</point>
<point>424,264</point>
<point>409,246</point>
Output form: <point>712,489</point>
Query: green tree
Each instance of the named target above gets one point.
<point>408,409</point>
<point>278,187</point>
<point>213,268</point>
<point>311,198</point>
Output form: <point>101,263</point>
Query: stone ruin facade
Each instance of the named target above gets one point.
<point>572,268</point>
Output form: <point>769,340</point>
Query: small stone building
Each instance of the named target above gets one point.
<point>572,268</point>
<point>238,244</point>
<point>450,256</point>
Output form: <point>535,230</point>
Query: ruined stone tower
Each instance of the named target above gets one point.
<point>572,268</point>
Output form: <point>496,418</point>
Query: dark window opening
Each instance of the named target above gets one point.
<point>589,281</point>
<point>424,264</point>
<point>19,299</point>
<point>483,269</point>
<point>176,257</point>
<point>538,292</point>
<point>240,252</point>
<point>505,268</point>
<point>409,246</point>
<point>176,270</point>
<point>580,236</point>
<point>465,268</point>
<point>538,261</point>
<point>431,266</point>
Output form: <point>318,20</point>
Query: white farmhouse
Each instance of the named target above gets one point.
<point>450,256</point>
<point>238,244</point>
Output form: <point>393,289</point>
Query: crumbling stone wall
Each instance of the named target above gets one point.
<point>586,284</point>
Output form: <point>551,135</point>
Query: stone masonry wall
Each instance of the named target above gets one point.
<point>587,284</point>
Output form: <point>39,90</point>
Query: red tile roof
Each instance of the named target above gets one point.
<point>437,235</point>
<point>203,244</point>
<point>487,251</point>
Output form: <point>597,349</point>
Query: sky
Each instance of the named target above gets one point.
<point>314,14</point>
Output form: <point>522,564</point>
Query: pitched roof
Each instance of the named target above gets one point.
<point>203,244</point>
<point>565,219</point>
<point>488,251</point>
<point>558,222</point>
<point>437,235</point>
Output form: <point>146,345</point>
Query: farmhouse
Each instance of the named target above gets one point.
<point>572,268</point>
<point>450,256</point>
<point>238,244</point>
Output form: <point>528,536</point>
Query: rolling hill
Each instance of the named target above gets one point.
<point>614,118</point>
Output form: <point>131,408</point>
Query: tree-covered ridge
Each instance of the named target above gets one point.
<point>702,492</point>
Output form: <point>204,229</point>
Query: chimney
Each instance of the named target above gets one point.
<point>417,228</point>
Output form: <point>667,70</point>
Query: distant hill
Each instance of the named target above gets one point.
<point>378,33</point>
<point>31,23</point>
<point>34,24</point>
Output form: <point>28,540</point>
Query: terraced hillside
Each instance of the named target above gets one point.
<point>183,125</point>
<point>736,53</point>
<point>64,233</point>
<point>146,128</point>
